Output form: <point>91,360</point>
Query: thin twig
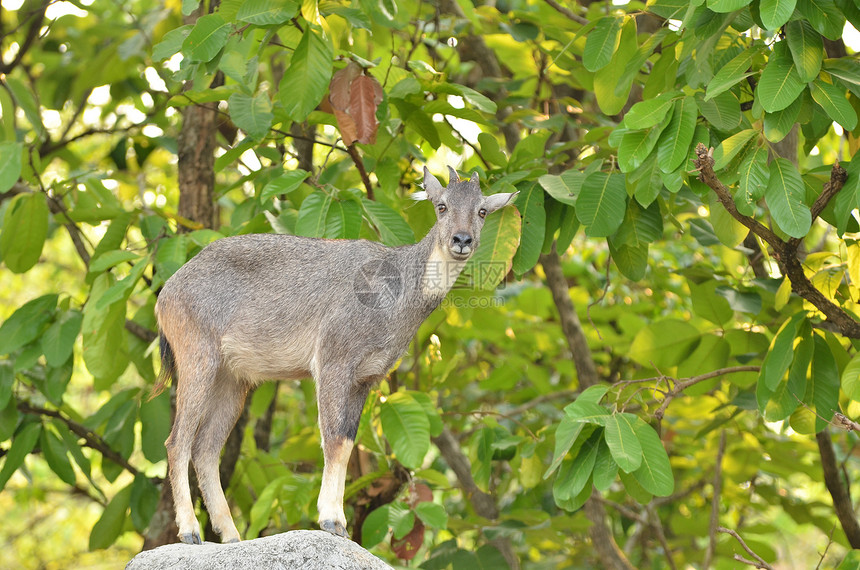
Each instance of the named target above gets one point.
<point>760,561</point>
<point>682,385</point>
<point>566,12</point>
<point>715,503</point>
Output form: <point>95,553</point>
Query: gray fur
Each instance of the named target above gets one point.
<point>261,307</point>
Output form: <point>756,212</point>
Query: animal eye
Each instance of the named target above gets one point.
<point>441,208</point>
<point>482,212</point>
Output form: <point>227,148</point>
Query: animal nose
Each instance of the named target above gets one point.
<point>462,240</point>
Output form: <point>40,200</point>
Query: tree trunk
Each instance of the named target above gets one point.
<point>196,178</point>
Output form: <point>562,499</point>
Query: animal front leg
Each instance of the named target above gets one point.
<point>340,405</point>
<point>330,504</point>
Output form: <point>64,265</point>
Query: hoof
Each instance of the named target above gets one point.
<point>334,527</point>
<point>190,537</point>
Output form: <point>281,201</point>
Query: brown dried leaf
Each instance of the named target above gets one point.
<point>365,96</point>
<point>348,130</point>
<point>407,547</point>
<point>339,87</point>
<point>420,493</point>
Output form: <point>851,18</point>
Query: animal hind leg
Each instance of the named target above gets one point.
<point>224,405</point>
<point>191,384</point>
<point>340,404</point>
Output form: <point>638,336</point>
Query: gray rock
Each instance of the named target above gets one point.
<point>298,549</point>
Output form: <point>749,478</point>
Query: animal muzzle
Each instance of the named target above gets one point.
<point>461,244</point>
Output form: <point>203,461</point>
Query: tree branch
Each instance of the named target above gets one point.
<point>759,561</point>
<point>359,164</point>
<point>705,166</point>
<point>838,491</point>
<point>566,12</point>
<point>786,252</point>
<point>682,385</point>
<point>715,503</point>
<point>91,439</point>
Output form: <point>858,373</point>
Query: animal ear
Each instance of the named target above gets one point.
<point>432,189</point>
<point>452,176</point>
<point>496,201</point>
<point>474,178</point>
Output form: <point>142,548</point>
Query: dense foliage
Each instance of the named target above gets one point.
<point>674,320</point>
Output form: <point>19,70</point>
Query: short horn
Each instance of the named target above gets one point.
<point>453,176</point>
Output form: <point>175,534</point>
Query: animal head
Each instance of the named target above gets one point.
<point>460,211</point>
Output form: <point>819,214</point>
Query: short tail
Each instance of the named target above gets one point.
<point>168,366</point>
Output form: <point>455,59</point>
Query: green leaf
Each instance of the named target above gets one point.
<point>312,215</point>
<point>170,255</point>
<point>723,111</point>
<point>601,43</point>
<point>530,204</point>
<point>846,69</point>
<point>655,473</point>
<point>664,344</point>
<point>780,84</point>
<point>674,144</point>
<point>393,229</point>
<point>565,436</point>
<point>103,333</point>
<point>824,385</point>
<point>251,114</point>
<point>640,227</point>
<point>22,444</point>
<point>207,38</point>
<point>10,164</point>
<point>56,455</point>
<point>807,49</point>
<point>170,43</point>
<point>564,187</point>
<point>310,68</point>
<point>824,16</point>
<point>267,12</point>
<point>491,150</point>
<point>635,148</point>
<point>834,102</point>
<point>500,239</point>
<point>579,474</point>
<point>784,196</point>
<point>432,514</point>
<point>605,468</point>
<point>155,427</point>
<point>26,323</point>
<point>851,378</point>
<point>708,304</point>
<point>142,502</point>
<point>58,342</point>
<point>777,125</point>
<point>609,90</point>
<point>622,441</point>
<point>781,353</point>
<point>287,182</point>
<point>736,70</point>
<point>406,427</point>
<point>601,203</point>
<point>343,220</point>
<point>646,114</point>
<point>109,526</point>
<point>25,228</point>
<point>110,259</point>
<point>754,174</point>
<point>729,148</point>
<point>726,6</point>
<point>775,13</point>
<point>632,261</point>
<point>375,527</point>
